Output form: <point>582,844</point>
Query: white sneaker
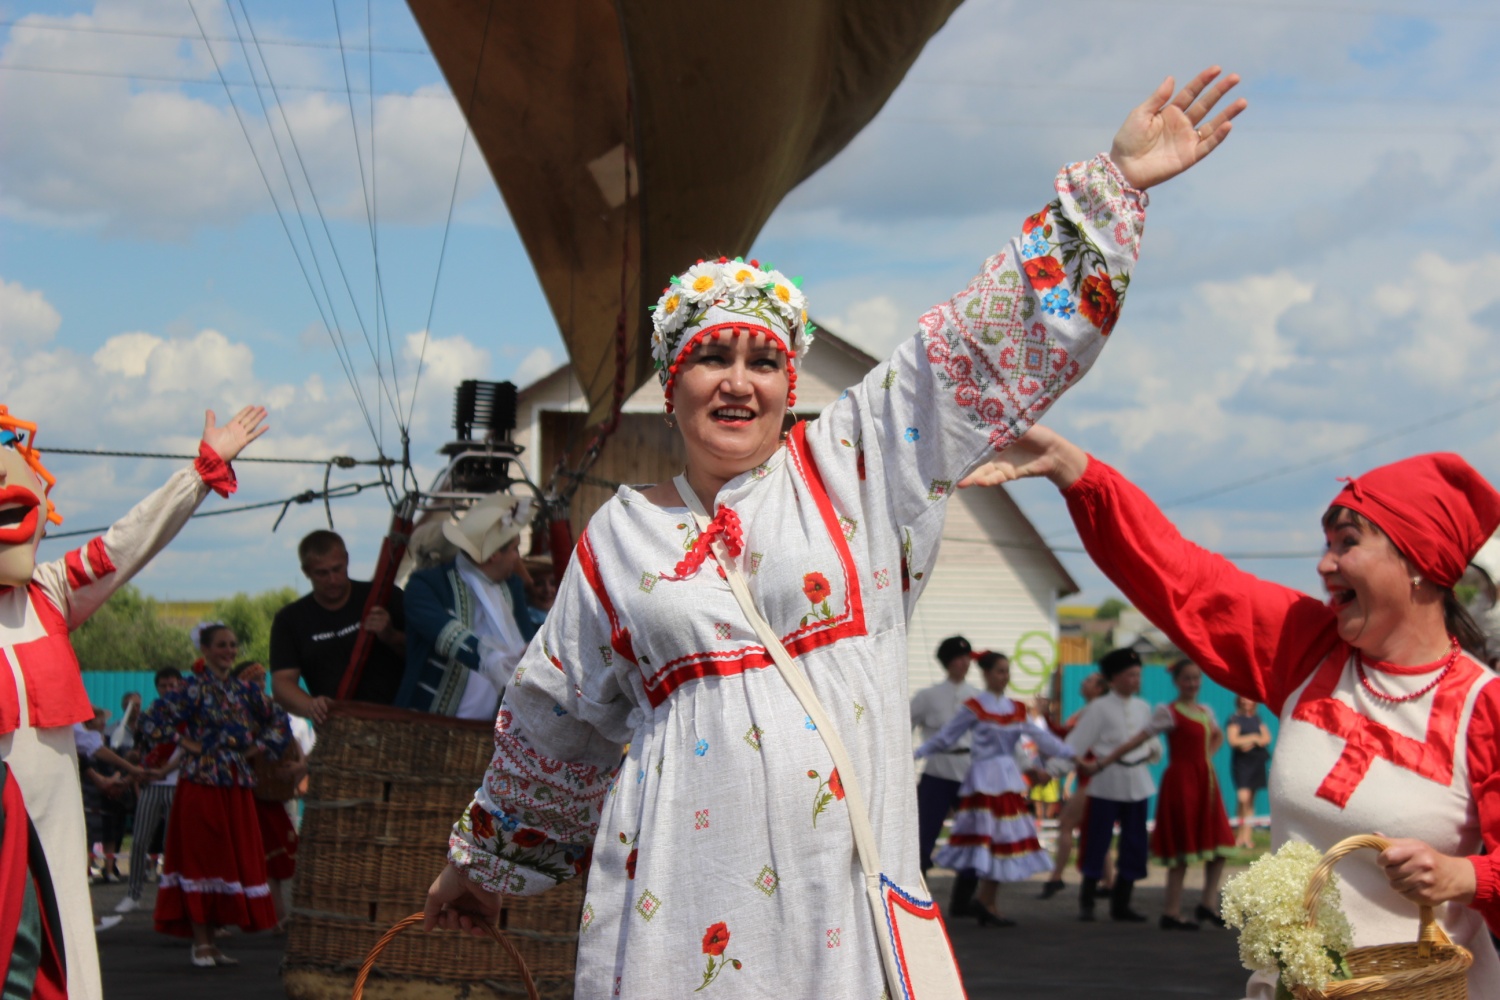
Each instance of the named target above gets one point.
<point>105,923</point>
<point>127,905</point>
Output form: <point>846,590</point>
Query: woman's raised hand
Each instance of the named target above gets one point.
<point>229,440</point>
<point>1166,135</point>
<point>1040,452</point>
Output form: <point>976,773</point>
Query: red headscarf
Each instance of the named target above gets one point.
<point>1435,508</point>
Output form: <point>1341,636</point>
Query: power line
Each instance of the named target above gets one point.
<point>1326,456</point>
<point>99,29</point>
<point>206,80</point>
<point>305,497</point>
<point>342,461</point>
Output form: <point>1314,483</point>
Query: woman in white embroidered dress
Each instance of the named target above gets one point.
<point>1387,726</point>
<point>993,832</point>
<point>722,857</point>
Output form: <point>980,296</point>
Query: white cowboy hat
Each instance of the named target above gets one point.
<point>489,525</point>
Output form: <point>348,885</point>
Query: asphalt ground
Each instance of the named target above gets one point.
<point>1050,954</point>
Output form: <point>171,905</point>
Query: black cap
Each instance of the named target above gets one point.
<point>1117,661</point>
<point>952,648</point>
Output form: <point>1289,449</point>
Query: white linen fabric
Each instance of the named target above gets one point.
<point>1441,813</point>
<point>722,855</point>
<point>1107,722</point>
<point>932,708</point>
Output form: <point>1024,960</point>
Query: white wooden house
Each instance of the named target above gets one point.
<point>996,581</point>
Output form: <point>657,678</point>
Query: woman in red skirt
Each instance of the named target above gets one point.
<point>1191,825</point>
<point>214,872</point>
<point>275,785</point>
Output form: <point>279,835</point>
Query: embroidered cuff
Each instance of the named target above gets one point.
<point>1486,882</point>
<point>494,873</point>
<point>1113,170</point>
<point>215,472</point>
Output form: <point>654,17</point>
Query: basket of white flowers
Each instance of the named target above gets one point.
<point>1286,907</point>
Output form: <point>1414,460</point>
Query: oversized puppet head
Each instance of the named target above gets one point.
<point>24,507</point>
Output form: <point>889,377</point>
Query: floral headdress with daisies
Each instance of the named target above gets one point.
<point>724,297</point>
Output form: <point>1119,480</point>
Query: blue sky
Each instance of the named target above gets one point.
<point>1323,293</point>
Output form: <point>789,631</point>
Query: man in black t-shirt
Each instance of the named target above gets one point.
<point>313,637</point>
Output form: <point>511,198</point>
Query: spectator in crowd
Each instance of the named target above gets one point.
<point>541,588</point>
<point>215,870</point>
<point>1190,821</point>
<point>468,618</point>
<point>1249,752</point>
<point>122,737</point>
<point>1072,815</point>
<point>155,803</point>
<point>943,772</point>
<point>276,785</point>
<point>312,638</point>
<point>1119,793</point>
<point>107,791</point>
<point>1045,796</point>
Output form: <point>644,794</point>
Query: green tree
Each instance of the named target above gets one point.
<point>250,616</point>
<point>127,633</point>
<point>1108,608</point>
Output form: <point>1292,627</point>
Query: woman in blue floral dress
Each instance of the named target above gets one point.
<point>214,869</point>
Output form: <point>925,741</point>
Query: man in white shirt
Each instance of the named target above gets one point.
<point>1119,793</point>
<point>943,774</point>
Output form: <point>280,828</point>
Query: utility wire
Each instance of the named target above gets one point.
<point>342,461</point>
<point>207,81</point>
<point>307,496</point>
<point>296,252</point>
<point>1327,456</point>
<point>99,29</point>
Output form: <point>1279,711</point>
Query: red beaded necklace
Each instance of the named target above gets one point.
<point>1452,658</point>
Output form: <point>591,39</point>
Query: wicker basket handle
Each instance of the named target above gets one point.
<point>416,918</point>
<point>1428,930</point>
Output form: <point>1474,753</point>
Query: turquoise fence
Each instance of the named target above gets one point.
<point>1157,688</point>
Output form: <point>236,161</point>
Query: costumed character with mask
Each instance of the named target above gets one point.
<point>467,621</point>
<point>46,915</point>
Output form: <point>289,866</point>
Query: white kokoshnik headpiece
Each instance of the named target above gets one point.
<point>718,297</point>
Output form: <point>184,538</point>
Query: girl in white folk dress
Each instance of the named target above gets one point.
<point>993,833</point>
<point>722,853</point>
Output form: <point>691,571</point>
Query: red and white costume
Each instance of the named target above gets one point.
<point>42,693</point>
<point>1346,762</point>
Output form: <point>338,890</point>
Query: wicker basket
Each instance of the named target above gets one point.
<point>386,785</point>
<point>1430,968</point>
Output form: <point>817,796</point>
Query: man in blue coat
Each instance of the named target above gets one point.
<point>467,622</point>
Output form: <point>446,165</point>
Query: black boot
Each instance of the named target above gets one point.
<point>1119,903</point>
<point>961,903</point>
<point>1086,893</point>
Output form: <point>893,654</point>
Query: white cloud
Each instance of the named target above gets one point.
<point>538,361</point>
<point>148,158</point>
<point>876,325</point>
<point>25,314</point>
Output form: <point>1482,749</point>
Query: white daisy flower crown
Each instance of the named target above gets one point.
<point>728,296</point>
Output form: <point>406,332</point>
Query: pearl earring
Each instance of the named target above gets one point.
<point>1416,581</point>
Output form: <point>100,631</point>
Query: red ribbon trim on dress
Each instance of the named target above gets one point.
<point>1366,739</point>
<point>725,525</point>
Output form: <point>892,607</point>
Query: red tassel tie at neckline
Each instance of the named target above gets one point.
<point>726,525</point>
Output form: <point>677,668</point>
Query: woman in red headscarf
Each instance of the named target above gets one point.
<point>1387,724</point>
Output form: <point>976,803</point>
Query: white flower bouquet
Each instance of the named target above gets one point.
<point>1267,904</point>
